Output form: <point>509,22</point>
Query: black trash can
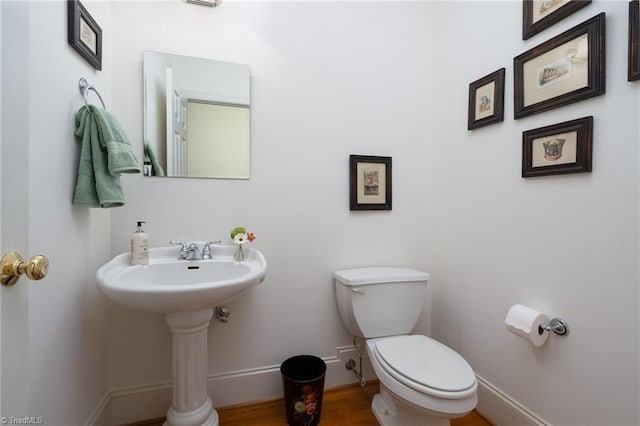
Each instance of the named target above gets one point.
<point>303,383</point>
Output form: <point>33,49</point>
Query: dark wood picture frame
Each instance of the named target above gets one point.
<point>84,34</point>
<point>634,40</point>
<point>494,101</point>
<point>369,182</point>
<point>543,148</point>
<point>594,29</point>
<point>530,28</point>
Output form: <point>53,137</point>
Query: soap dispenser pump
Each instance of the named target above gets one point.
<point>139,246</point>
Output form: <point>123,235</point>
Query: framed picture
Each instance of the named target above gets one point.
<point>565,69</point>
<point>634,40</point>
<point>558,149</point>
<point>369,182</point>
<point>538,15</point>
<point>84,34</point>
<point>486,100</point>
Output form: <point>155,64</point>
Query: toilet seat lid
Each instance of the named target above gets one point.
<point>426,362</point>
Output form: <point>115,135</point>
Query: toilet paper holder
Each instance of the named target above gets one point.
<point>557,325</point>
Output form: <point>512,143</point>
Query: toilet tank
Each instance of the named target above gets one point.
<point>380,301</point>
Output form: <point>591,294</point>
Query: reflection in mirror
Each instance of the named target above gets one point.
<point>196,117</point>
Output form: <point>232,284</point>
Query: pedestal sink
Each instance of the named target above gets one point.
<point>186,291</point>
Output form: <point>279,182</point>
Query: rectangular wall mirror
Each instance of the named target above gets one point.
<point>196,117</point>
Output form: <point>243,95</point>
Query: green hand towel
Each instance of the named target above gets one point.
<point>105,154</point>
<point>120,156</point>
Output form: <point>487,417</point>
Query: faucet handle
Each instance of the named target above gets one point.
<point>183,248</point>
<point>206,250</point>
<point>184,245</point>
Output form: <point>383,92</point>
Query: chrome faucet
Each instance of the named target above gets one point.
<point>206,249</point>
<point>183,249</point>
<point>192,252</point>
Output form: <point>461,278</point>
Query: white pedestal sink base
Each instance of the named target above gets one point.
<point>191,419</point>
<point>180,420</point>
<point>184,290</point>
<point>191,405</point>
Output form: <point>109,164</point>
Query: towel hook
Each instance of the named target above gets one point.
<point>84,90</point>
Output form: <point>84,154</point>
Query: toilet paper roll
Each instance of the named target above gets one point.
<point>525,322</point>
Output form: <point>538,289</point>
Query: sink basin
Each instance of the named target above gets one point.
<point>186,291</point>
<point>169,285</point>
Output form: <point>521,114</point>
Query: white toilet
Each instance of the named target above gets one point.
<point>422,381</point>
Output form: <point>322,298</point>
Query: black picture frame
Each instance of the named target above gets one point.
<point>634,41</point>
<point>84,34</point>
<point>531,28</point>
<point>369,182</point>
<point>543,148</point>
<point>593,31</point>
<point>494,95</point>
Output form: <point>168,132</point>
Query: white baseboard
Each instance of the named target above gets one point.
<point>101,415</point>
<point>131,404</point>
<point>500,409</point>
<point>136,403</point>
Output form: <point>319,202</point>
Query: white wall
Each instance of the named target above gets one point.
<point>566,245</point>
<point>328,80</point>
<point>65,319</point>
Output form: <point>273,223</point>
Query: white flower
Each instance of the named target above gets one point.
<point>300,407</point>
<point>240,238</point>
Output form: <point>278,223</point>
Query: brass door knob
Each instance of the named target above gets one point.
<point>12,267</point>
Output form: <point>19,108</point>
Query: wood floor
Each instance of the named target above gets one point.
<point>345,406</point>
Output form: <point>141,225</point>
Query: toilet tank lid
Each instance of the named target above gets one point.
<point>379,274</point>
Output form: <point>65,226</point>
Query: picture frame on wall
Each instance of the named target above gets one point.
<point>369,182</point>
<point>486,100</point>
<point>84,34</point>
<point>634,40</point>
<point>568,68</point>
<point>561,148</point>
<point>538,15</point>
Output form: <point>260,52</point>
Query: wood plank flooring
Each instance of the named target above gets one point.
<point>344,406</point>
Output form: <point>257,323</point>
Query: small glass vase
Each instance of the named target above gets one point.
<point>238,256</point>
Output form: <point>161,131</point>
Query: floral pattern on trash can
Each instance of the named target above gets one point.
<point>305,405</point>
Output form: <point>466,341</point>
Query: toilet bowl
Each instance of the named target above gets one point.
<point>422,381</point>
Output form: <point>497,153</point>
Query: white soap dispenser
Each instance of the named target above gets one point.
<point>139,246</point>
